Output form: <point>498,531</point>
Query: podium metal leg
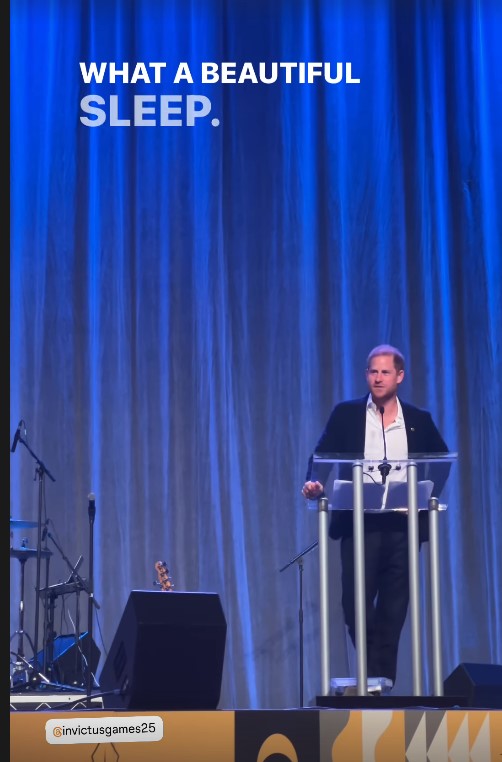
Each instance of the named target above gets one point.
<point>360,581</point>
<point>324,594</point>
<point>437,666</point>
<point>360,585</point>
<point>413,546</point>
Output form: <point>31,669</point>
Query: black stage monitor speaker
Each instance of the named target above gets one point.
<point>167,653</point>
<point>68,665</point>
<point>481,684</point>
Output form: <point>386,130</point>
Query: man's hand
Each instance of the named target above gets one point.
<point>312,490</point>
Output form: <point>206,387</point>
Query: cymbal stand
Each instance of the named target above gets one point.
<point>50,634</point>
<point>75,584</point>
<point>20,665</point>
<point>91,600</point>
<point>40,472</point>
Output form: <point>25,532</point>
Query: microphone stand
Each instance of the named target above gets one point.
<point>40,471</point>
<point>385,466</point>
<point>299,559</point>
<point>91,600</point>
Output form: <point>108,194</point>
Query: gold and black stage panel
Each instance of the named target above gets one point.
<point>294,735</point>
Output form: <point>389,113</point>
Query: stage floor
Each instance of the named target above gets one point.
<point>316,734</point>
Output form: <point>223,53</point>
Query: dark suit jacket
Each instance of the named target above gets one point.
<point>345,434</point>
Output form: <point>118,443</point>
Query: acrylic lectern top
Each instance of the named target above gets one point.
<point>418,457</point>
<point>335,472</point>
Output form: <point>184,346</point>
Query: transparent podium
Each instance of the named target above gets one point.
<point>409,487</point>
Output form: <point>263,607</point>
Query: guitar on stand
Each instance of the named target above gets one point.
<point>163,576</point>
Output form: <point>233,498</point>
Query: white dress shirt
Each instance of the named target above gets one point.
<point>396,442</point>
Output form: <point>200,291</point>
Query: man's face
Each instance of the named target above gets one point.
<point>383,378</point>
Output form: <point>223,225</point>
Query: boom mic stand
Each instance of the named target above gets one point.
<point>299,558</point>
<point>90,600</point>
<point>40,472</point>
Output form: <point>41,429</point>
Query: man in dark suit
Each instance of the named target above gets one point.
<point>355,428</point>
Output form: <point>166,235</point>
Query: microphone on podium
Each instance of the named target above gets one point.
<point>385,466</point>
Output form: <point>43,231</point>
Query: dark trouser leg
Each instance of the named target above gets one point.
<point>386,579</point>
<point>392,602</point>
<point>372,554</point>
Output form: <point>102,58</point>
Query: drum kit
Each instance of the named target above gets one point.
<point>31,673</point>
<point>39,670</point>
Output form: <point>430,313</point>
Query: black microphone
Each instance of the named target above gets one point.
<point>384,467</point>
<point>17,435</point>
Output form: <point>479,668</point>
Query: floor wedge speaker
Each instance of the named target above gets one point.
<point>481,684</point>
<point>167,653</point>
<point>69,659</point>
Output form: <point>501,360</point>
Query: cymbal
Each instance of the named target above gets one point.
<point>20,524</point>
<point>28,553</point>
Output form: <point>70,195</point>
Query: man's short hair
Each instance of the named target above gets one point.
<point>387,349</point>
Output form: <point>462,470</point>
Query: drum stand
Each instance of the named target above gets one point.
<point>21,666</point>
<point>24,674</point>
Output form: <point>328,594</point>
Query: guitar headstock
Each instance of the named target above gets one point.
<point>163,576</point>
